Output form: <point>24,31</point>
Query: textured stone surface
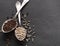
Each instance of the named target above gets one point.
<point>45,16</point>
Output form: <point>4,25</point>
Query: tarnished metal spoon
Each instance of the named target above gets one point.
<point>14,18</point>
<point>20,31</point>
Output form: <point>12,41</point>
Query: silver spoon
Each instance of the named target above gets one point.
<point>20,31</point>
<point>24,2</point>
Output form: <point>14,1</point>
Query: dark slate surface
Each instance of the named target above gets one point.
<point>45,16</point>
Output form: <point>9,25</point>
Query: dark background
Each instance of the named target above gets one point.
<point>45,16</point>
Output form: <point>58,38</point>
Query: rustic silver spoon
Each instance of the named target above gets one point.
<point>20,31</point>
<point>14,18</point>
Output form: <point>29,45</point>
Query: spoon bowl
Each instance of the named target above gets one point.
<point>11,28</point>
<point>20,33</point>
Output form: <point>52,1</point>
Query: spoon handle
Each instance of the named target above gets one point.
<point>23,4</point>
<point>19,18</point>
